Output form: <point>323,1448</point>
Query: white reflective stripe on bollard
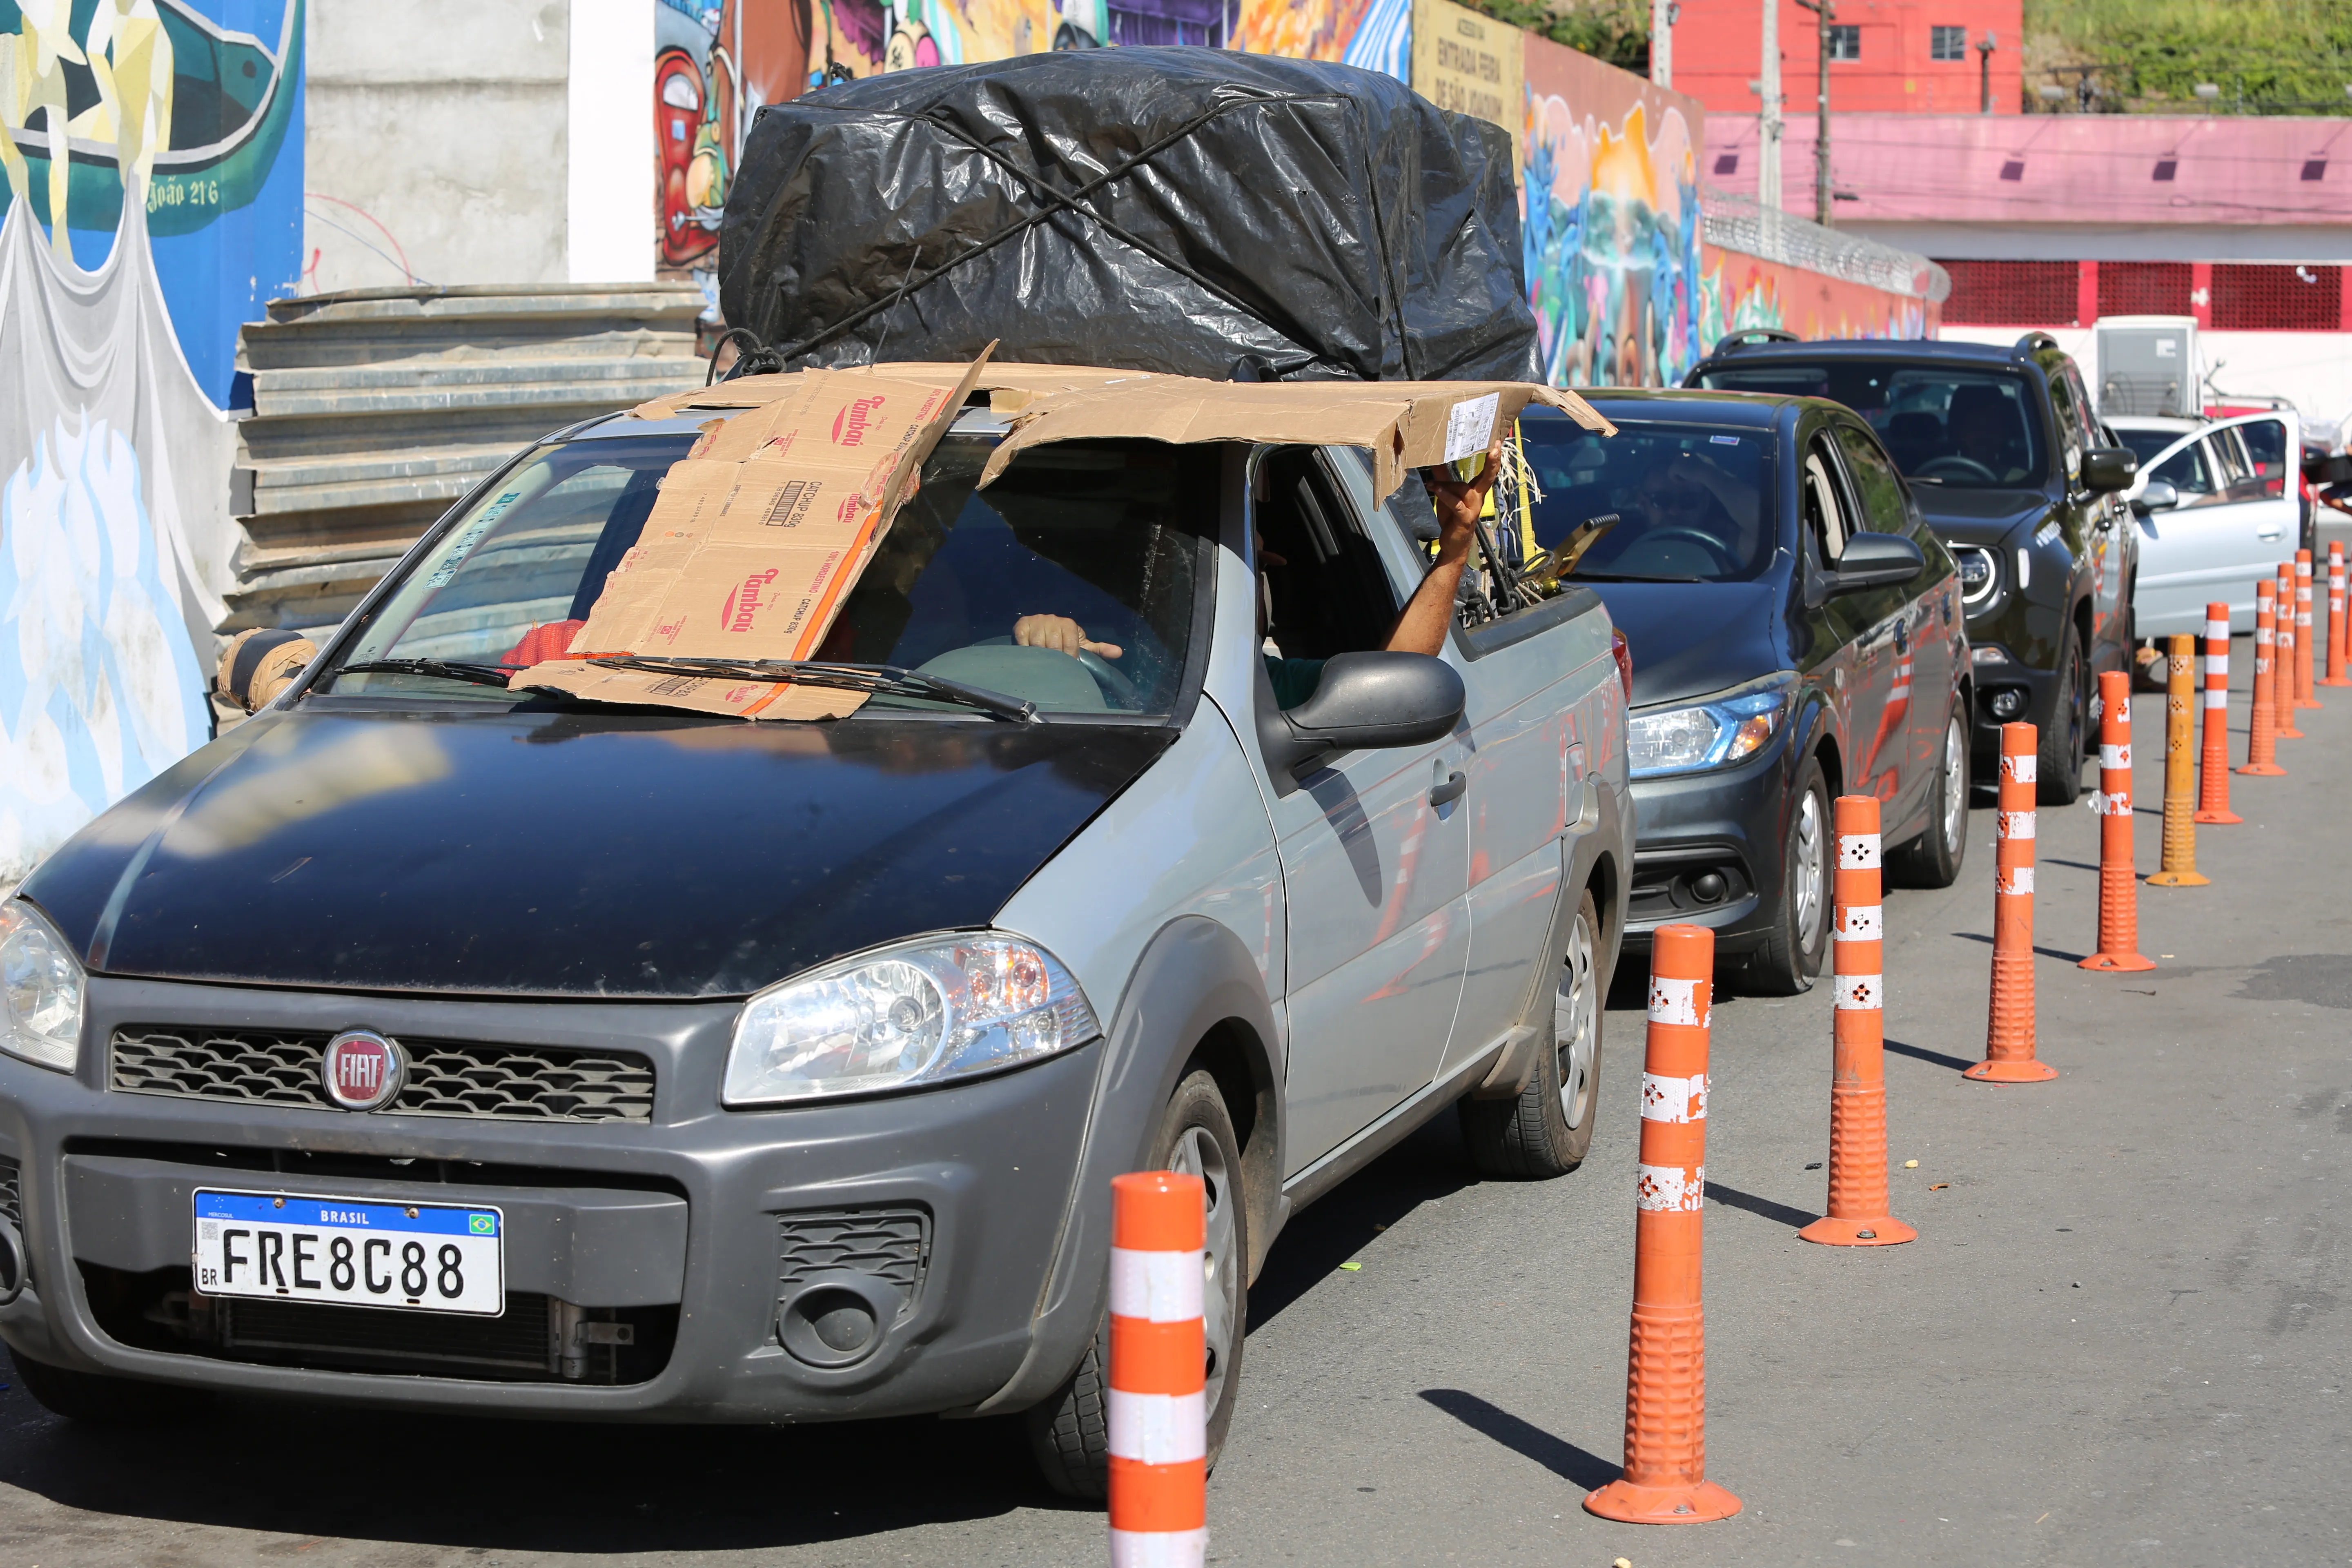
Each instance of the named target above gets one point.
<point>1158,1428</point>
<point>1857,851</point>
<point>2114,756</point>
<point>2021,769</point>
<point>2015,824</point>
<point>1675,1001</point>
<point>1673,1098</point>
<point>2217,664</point>
<point>1860,993</point>
<point>1156,1286</point>
<point>2217,630</point>
<point>1859,923</point>
<point>1669,1187</point>
<point>2217,697</point>
<point>1159,1548</point>
<point>2015,882</point>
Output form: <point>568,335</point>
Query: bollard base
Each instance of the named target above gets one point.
<point>2119,963</point>
<point>2289,733</point>
<point>2261,770</point>
<point>1693,1502</point>
<point>2335,681</point>
<point>2308,701</point>
<point>2178,880</point>
<point>2220,819</point>
<point>2028,1070</point>
<point>1883,1231</point>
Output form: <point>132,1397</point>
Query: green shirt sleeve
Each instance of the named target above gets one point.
<point>1294,679</point>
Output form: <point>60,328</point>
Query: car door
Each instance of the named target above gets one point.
<point>2101,519</point>
<point>1868,621</point>
<point>1911,726</point>
<point>2226,532</point>
<point>1374,846</point>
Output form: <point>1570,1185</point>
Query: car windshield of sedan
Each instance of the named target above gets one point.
<point>1943,425</point>
<point>1069,582</point>
<point>1694,503</point>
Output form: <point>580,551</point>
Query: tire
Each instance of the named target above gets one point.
<point>1546,1130</point>
<point>1933,860</point>
<point>1069,1433</point>
<point>2059,767</point>
<point>97,1400</point>
<point>1785,965</point>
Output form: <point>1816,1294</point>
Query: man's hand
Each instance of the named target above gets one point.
<point>1061,634</point>
<point>1458,503</point>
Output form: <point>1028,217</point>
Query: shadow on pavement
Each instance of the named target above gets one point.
<point>1562,1459</point>
<point>1431,1164</point>
<point>1936,1058</point>
<point>2044,952</point>
<point>1795,1219</point>
<point>553,1487</point>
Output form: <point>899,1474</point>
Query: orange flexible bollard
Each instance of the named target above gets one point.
<point>2283,654</point>
<point>2336,649</point>
<point>1159,1360</point>
<point>2303,651</point>
<point>2009,1032</point>
<point>2262,728</point>
<point>2179,864</point>
<point>2213,766</point>
<point>2118,883</point>
<point>1858,1213</point>
<point>1665,1372</point>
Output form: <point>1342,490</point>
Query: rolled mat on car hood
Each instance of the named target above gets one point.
<point>569,854</point>
<point>1692,639</point>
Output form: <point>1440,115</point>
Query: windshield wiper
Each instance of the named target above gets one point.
<point>1624,577</point>
<point>884,680</point>
<point>445,669</point>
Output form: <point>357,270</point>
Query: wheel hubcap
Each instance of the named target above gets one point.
<point>1198,1154</point>
<point>1807,869</point>
<point>1575,1024</point>
<point>1956,785</point>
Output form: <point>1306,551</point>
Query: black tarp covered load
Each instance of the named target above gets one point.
<point>1182,210</point>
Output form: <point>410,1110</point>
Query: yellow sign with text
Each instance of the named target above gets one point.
<point>1470,64</point>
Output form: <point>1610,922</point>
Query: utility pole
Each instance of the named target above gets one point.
<point>1984,74</point>
<point>1824,12</point>
<point>1767,118</point>
<point>1661,42</point>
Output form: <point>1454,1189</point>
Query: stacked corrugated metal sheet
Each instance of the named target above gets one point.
<point>374,410</point>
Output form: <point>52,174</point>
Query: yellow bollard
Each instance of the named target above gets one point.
<point>2179,771</point>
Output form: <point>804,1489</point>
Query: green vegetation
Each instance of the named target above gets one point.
<point>1617,31</point>
<point>2270,57</point>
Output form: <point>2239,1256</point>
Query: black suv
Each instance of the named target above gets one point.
<point>2010,466</point>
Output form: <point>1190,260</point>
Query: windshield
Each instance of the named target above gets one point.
<point>1069,582</point>
<point>1944,425</point>
<point>1693,502</point>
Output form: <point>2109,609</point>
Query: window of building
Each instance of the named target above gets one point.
<point>2012,294</point>
<point>1947,43</point>
<point>1845,41</point>
<point>2277,297</point>
<point>2144,288</point>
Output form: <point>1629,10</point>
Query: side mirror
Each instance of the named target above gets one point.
<point>1876,561</point>
<point>1365,701</point>
<point>257,665</point>
<point>2157,495</point>
<point>2106,470</point>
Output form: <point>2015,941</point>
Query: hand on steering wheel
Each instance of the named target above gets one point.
<point>1064,635</point>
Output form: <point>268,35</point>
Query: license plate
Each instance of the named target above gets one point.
<point>351,1252</point>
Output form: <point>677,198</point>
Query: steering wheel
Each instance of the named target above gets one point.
<point>1116,687</point>
<point>1958,466</point>
<point>1705,541</point>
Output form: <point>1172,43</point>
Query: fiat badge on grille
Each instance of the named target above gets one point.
<point>362,1070</point>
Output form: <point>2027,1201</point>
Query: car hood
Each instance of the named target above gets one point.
<point>1689,639</point>
<point>570,854</point>
<point>1988,516</point>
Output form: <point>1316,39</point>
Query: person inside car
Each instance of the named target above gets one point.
<point>1419,629</point>
<point>1984,431</point>
<point>1683,493</point>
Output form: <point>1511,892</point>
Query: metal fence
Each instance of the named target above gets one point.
<point>1738,223</point>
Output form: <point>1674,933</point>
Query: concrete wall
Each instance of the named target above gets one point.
<point>452,141</point>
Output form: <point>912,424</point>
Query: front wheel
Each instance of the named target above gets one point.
<point>1546,1130</point>
<point>1791,955</point>
<point>1933,860</point>
<point>2060,766</point>
<point>1069,1434</point>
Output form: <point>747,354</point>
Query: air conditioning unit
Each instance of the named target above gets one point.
<point>2148,365</point>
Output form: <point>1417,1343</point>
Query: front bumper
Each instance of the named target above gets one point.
<point>1729,823</point>
<point>691,1227</point>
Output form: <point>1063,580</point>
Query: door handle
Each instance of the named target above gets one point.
<point>1451,790</point>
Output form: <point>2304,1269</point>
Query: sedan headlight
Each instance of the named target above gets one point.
<point>1709,733</point>
<point>40,990</point>
<point>920,1013</point>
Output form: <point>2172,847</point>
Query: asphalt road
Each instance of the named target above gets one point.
<point>2120,1337</point>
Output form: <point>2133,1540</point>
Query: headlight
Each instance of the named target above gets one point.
<point>1708,734</point>
<point>1978,574</point>
<point>921,1013</point>
<point>40,990</point>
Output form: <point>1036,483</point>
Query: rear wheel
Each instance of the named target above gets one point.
<point>2060,766</point>
<point>1791,957</point>
<point>1070,1433</point>
<point>97,1400</point>
<point>1546,1130</point>
<point>1933,860</point>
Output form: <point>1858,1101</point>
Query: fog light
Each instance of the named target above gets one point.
<point>1709,889</point>
<point>2007,706</point>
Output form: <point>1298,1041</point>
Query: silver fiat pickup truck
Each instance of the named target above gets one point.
<point>422,1043</point>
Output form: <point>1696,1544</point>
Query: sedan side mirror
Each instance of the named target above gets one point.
<point>2106,470</point>
<point>1364,701</point>
<point>2157,495</point>
<point>1876,561</point>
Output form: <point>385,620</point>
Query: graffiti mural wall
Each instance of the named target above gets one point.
<point>153,153</point>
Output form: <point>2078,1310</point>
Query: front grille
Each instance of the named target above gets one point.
<point>445,1078</point>
<point>12,1198</point>
<point>517,1341</point>
<point>890,1244</point>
